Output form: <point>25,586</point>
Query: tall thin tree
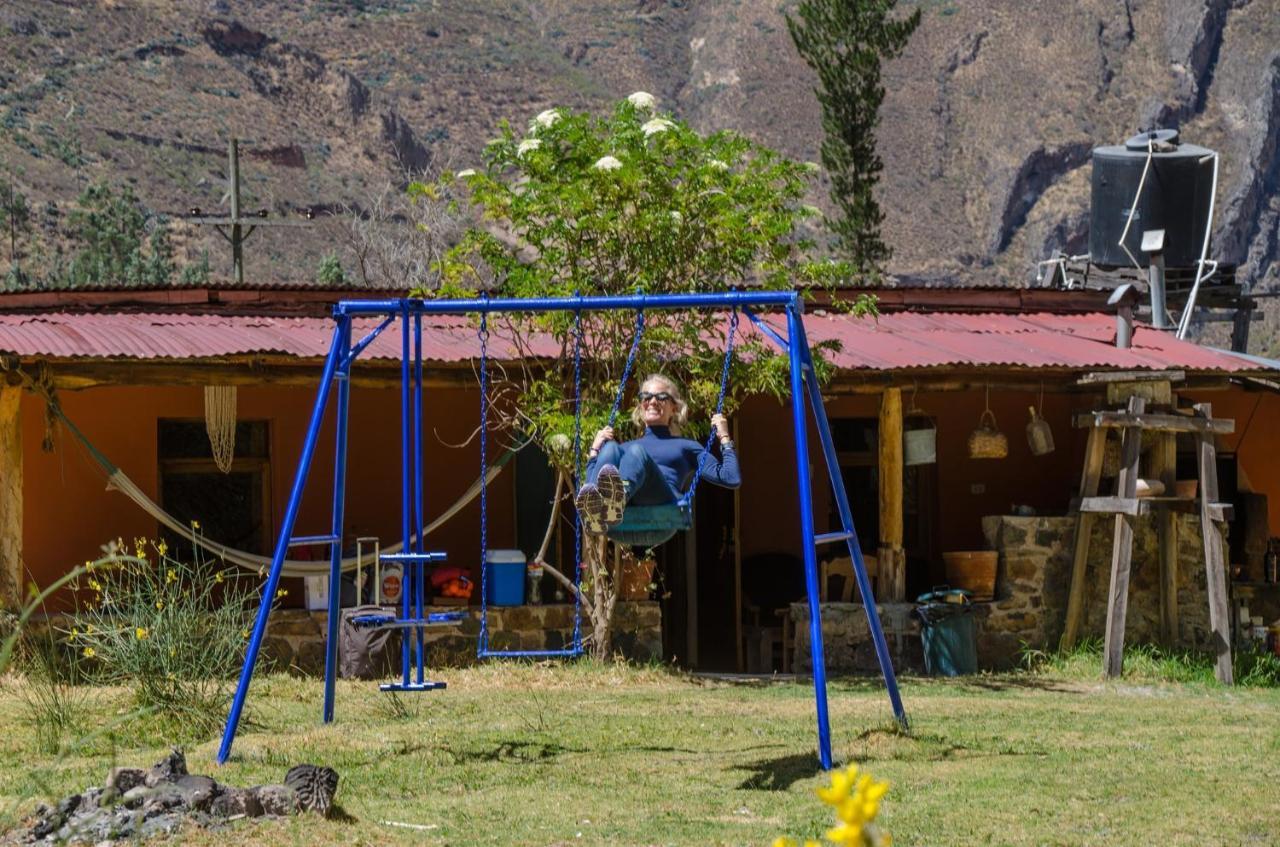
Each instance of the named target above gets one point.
<point>845,41</point>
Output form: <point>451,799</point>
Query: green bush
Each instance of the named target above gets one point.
<point>173,633</point>
<point>52,696</point>
<point>330,272</point>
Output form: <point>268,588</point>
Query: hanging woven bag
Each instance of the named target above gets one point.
<point>988,442</point>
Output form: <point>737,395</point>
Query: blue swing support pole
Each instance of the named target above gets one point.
<point>409,313</point>
<point>336,353</point>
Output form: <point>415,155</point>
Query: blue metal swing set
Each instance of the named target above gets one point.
<point>641,525</point>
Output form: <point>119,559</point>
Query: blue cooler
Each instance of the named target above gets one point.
<point>506,577</point>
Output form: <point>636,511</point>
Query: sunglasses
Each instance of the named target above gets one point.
<point>661,396</point>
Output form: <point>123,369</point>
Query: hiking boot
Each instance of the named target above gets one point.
<point>591,509</point>
<point>609,481</point>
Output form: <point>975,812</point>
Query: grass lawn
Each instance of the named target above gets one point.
<point>592,754</point>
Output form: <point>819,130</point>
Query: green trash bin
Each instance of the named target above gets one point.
<point>947,632</point>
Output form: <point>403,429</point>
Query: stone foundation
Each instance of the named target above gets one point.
<point>1032,583</point>
<point>295,637</point>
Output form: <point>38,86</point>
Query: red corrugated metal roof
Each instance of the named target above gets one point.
<point>904,340</point>
<point>893,341</point>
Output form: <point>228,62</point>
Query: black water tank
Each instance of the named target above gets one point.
<point>1175,198</point>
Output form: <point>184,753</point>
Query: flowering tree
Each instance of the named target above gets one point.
<point>633,201</point>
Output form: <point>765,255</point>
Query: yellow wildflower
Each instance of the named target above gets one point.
<point>283,592</point>
<point>159,605</point>
<point>841,784</point>
<point>88,565</point>
<point>89,652</point>
<point>88,629</point>
<point>846,833</point>
<point>95,585</point>
<point>171,576</point>
<point>162,548</point>
<point>244,633</point>
<point>217,577</point>
<point>74,633</point>
<point>141,633</point>
<point>195,525</point>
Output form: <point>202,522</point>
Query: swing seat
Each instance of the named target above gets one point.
<point>649,526</point>
<point>389,621</point>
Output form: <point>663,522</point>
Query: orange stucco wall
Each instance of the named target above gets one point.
<point>68,514</point>
<point>1256,441</point>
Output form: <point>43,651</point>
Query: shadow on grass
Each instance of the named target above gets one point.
<point>341,815</point>
<point>1014,682</point>
<point>515,752</point>
<point>781,773</point>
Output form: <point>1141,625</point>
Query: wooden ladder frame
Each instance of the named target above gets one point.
<point>1126,506</point>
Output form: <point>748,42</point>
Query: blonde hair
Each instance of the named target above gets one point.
<point>681,415</point>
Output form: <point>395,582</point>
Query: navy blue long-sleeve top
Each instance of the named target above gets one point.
<point>678,459</point>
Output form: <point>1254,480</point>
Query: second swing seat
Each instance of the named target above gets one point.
<point>390,621</point>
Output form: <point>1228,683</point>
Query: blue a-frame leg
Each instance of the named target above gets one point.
<point>337,369</point>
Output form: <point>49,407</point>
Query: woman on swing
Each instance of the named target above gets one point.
<point>657,467</point>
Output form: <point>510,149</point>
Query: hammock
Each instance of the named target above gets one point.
<point>117,480</point>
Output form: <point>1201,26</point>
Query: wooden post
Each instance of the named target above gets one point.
<point>1164,468</point>
<point>11,566</point>
<point>1122,547</point>
<point>1215,565</point>
<point>892,563</point>
<point>1089,478</point>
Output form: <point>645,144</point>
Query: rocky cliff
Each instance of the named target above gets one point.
<point>987,125</point>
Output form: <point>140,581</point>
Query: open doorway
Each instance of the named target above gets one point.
<point>233,507</point>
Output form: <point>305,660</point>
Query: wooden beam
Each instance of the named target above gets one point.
<point>892,558</point>
<point>1122,548</point>
<point>1103,377</point>
<point>1157,423</point>
<point>1146,505</point>
<point>277,371</point>
<point>1164,467</point>
<point>1089,477</point>
<point>1214,564</point>
<point>11,564</point>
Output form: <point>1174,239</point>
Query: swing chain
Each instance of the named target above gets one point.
<point>687,499</point>
<point>483,639</point>
<point>577,477</point>
<point>626,370</point>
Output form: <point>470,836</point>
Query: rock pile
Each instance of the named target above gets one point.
<point>138,804</point>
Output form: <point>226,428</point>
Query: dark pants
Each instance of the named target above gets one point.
<point>645,484</point>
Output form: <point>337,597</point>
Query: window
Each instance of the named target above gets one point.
<point>233,508</point>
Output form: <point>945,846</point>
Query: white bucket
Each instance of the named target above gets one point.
<point>920,446</point>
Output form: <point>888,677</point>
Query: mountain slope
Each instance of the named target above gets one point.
<point>987,125</point>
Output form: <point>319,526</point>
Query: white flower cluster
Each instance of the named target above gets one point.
<point>653,126</point>
<point>527,146</point>
<point>643,100</point>
<point>606,163</point>
<point>544,120</point>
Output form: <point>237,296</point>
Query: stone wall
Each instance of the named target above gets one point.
<point>1032,583</point>
<point>295,637</point>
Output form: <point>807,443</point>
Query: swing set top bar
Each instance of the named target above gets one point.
<point>710,300</point>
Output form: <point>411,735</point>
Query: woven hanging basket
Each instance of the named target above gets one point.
<point>988,442</point>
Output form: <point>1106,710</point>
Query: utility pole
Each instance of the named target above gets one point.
<point>237,228</point>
